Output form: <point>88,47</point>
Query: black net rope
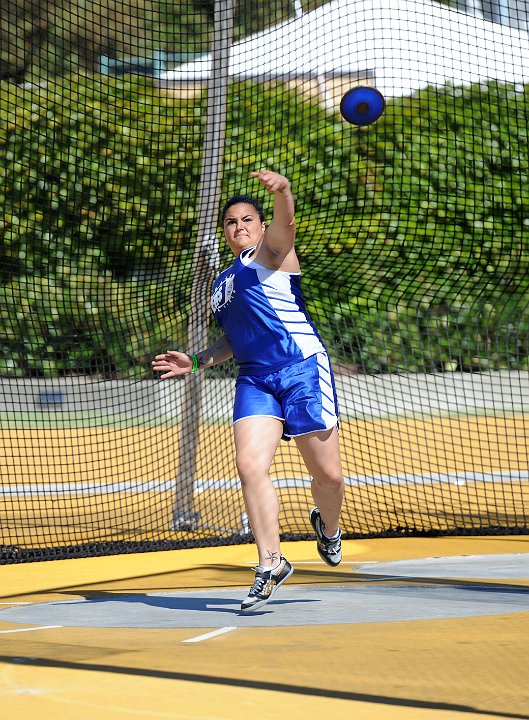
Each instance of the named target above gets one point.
<point>413,237</point>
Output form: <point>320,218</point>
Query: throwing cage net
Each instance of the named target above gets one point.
<point>123,125</point>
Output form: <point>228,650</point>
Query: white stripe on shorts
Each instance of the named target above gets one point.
<point>328,410</point>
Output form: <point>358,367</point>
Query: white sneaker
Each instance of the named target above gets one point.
<point>330,550</point>
<point>265,584</point>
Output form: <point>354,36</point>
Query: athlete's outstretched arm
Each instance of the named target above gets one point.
<point>281,233</point>
<point>174,363</point>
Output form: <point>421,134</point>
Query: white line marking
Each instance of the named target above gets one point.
<point>298,562</point>
<point>15,603</point>
<point>31,629</point>
<point>211,634</point>
<point>385,578</point>
<point>74,489</point>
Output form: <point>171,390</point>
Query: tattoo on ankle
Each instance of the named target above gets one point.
<point>271,556</point>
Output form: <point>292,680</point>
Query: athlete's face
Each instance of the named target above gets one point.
<point>242,227</point>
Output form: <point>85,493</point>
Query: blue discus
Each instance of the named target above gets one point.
<point>362,105</point>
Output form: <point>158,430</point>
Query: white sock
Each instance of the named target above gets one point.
<point>333,537</point>
<point>271,567</point>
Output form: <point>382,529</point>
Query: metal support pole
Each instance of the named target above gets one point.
<point>205,261</point>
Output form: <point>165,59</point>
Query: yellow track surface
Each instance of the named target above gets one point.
<point>402,445</point>
<point>473,667</point>
<point>99,457</point>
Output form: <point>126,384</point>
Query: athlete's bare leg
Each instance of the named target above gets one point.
<point>321,454</point>
<point>256,441</point>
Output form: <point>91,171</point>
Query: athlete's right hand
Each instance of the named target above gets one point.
<point>172,364</point>
<point>272,181</point>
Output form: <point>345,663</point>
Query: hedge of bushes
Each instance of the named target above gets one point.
<point>413,233</point>
<point>438,256</point>
<point>95,197</point>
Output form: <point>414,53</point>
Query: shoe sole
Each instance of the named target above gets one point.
<point>329,562</point>
<point>260,603</point>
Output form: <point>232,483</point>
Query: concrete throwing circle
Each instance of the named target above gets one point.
<point>296,605</point>
<point>511,566</point>
<point>291,606</point>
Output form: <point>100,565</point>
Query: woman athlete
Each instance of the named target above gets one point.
<point>285,386</point>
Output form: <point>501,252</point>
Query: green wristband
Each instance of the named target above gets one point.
<point>195,363</point>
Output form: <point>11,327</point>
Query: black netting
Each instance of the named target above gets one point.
<point>122,127</point>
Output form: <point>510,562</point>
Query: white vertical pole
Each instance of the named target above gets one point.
<point>205,261</point>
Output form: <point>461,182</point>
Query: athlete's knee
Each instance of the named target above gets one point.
<point>330,481</point>
<point>249,468</point>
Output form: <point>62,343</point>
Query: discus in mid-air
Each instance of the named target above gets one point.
<point>362,105</point>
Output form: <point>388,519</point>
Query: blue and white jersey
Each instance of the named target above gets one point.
<point>262,313</point>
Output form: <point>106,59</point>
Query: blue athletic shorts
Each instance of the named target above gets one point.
<point>302,396</point>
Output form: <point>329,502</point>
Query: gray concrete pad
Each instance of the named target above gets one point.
<point>291,606</point>
<point>367,600</point>
<point>508,566</point>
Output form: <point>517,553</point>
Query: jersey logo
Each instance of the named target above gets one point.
<point>223,294</point>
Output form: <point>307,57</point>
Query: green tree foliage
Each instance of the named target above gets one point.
<point>413,232</point>
<point>446,184</point>
<point>94,196</point>
<point>41,39</point>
